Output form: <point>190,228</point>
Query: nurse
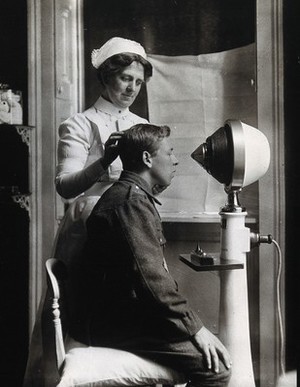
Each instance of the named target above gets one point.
<point>87,155</point>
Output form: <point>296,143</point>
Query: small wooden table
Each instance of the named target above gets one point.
<point>218,264</point>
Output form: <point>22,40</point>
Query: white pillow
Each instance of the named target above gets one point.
<point>97,366</point>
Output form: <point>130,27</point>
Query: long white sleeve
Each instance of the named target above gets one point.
<point>79,155</point>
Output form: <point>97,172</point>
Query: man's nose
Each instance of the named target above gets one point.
<point>175,160</point>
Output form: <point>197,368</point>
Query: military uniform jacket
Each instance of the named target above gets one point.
<point>123,285</point>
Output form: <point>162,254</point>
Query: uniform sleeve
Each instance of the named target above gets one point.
<point>141,228</point>
<point>72,177</point>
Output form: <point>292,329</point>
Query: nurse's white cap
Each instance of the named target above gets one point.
<point>116,46</point>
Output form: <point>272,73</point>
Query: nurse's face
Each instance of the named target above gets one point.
<point>123,88</point>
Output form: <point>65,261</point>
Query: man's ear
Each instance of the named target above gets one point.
<point>147,159</point>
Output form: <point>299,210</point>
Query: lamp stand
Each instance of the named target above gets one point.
<point>234,311</point>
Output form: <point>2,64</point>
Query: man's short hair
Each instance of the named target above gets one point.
<point>140,138</point>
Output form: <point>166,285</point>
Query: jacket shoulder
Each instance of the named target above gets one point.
<point>119,193</point>
<point>134,191</point>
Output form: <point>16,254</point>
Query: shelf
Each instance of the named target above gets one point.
<point>218,264</point>
<point>23,131</point>
<point>18,126</point>
<point>205,217</point>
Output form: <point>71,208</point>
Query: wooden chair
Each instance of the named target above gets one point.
<point>76,364</point>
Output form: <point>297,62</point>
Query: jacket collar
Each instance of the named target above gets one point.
<point>134,178</point>
<point>107,107</point>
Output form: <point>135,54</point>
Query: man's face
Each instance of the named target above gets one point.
<point>123,89</point>
<point>163,164</point>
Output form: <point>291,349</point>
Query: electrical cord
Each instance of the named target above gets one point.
<point>257,239</point>
<point>279,309</point>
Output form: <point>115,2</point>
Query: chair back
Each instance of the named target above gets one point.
<point>56,274</point>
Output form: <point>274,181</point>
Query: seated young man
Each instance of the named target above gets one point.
<point>129,299</point>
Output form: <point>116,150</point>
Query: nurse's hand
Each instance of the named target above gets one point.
<point>111,149</point>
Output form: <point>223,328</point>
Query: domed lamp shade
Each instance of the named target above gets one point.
<point>236,155</point>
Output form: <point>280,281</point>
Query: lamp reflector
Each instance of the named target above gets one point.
<point>257,154</point>
<point>236,155</point>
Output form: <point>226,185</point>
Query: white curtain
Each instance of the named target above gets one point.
<point>194,95</point>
